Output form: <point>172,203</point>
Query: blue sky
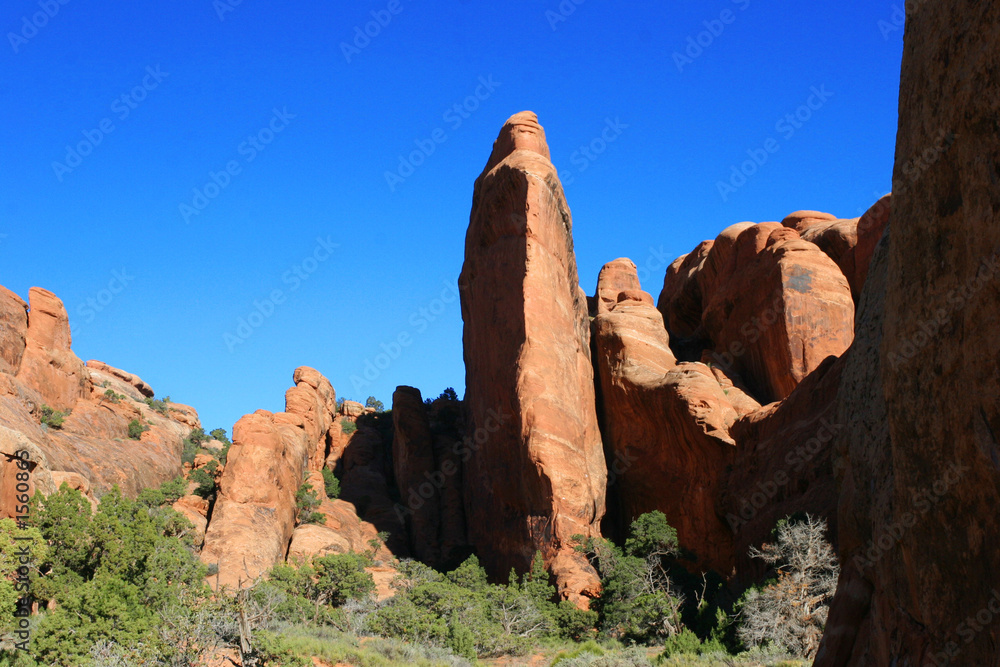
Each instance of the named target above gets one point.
<point>170,169</point>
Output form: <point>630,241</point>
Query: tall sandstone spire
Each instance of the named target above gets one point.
<point>919,460</point>
<point>535,474</point>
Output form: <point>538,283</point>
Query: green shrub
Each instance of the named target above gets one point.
<point>136,429</point>
<point>205,480</point>
<point>53,418</point>
<point>342,577</point>
<point>331,483</point>
<point>160,406</point>
<point>114,397</point>
<point>501,619</point>
<point>306,502</point>
<point>120,575</point>
<point>372,402</point>
<point>590,647</point>
<point>683,643</point>
<point>639,602</point>
<point>192,444</point>
<point>348,427</point>
<point>198,436</point>
<point>220,435</point>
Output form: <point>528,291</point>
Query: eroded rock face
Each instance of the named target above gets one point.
<point>539,475</point>
<point>414,466</point>
<point>13,330</point>
<point>935,508</point>
<point>783,465</point>
<point>91,451</point>
<point>779,310</point>
<point>254,514</point>
<point>666,425</point>
<point>48,365</point>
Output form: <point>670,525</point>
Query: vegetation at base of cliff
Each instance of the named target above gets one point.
<point>192,444</point>
<point>129,589</point>
<point>51,417</point>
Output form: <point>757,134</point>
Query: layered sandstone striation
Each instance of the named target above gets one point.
<point>537,475</point>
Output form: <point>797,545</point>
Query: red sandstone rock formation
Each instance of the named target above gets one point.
<point>783,464</point>
<point>254,514</point>
<point>48,365</point>
<point>849,243</point>
<point>538,477</point>
<point>414,467</point>
<point>666,425</point>
<point>784,308</point>
<point>91,451</point>
<point>918,511</point>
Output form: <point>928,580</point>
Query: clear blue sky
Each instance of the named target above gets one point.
<point>197,86</point>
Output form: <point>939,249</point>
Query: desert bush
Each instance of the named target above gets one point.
<point>136,429</point>
<point>205,479</point>
<point>791,613</point>
<point>348,427</point>
<point>331,483</point>
<point>306,502</point>
<point>639,601</point>
<point>158,405</point>
<point>113,396</point>
<point>116,575</point>
<point>220,435</point>
<point>51,417</point>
